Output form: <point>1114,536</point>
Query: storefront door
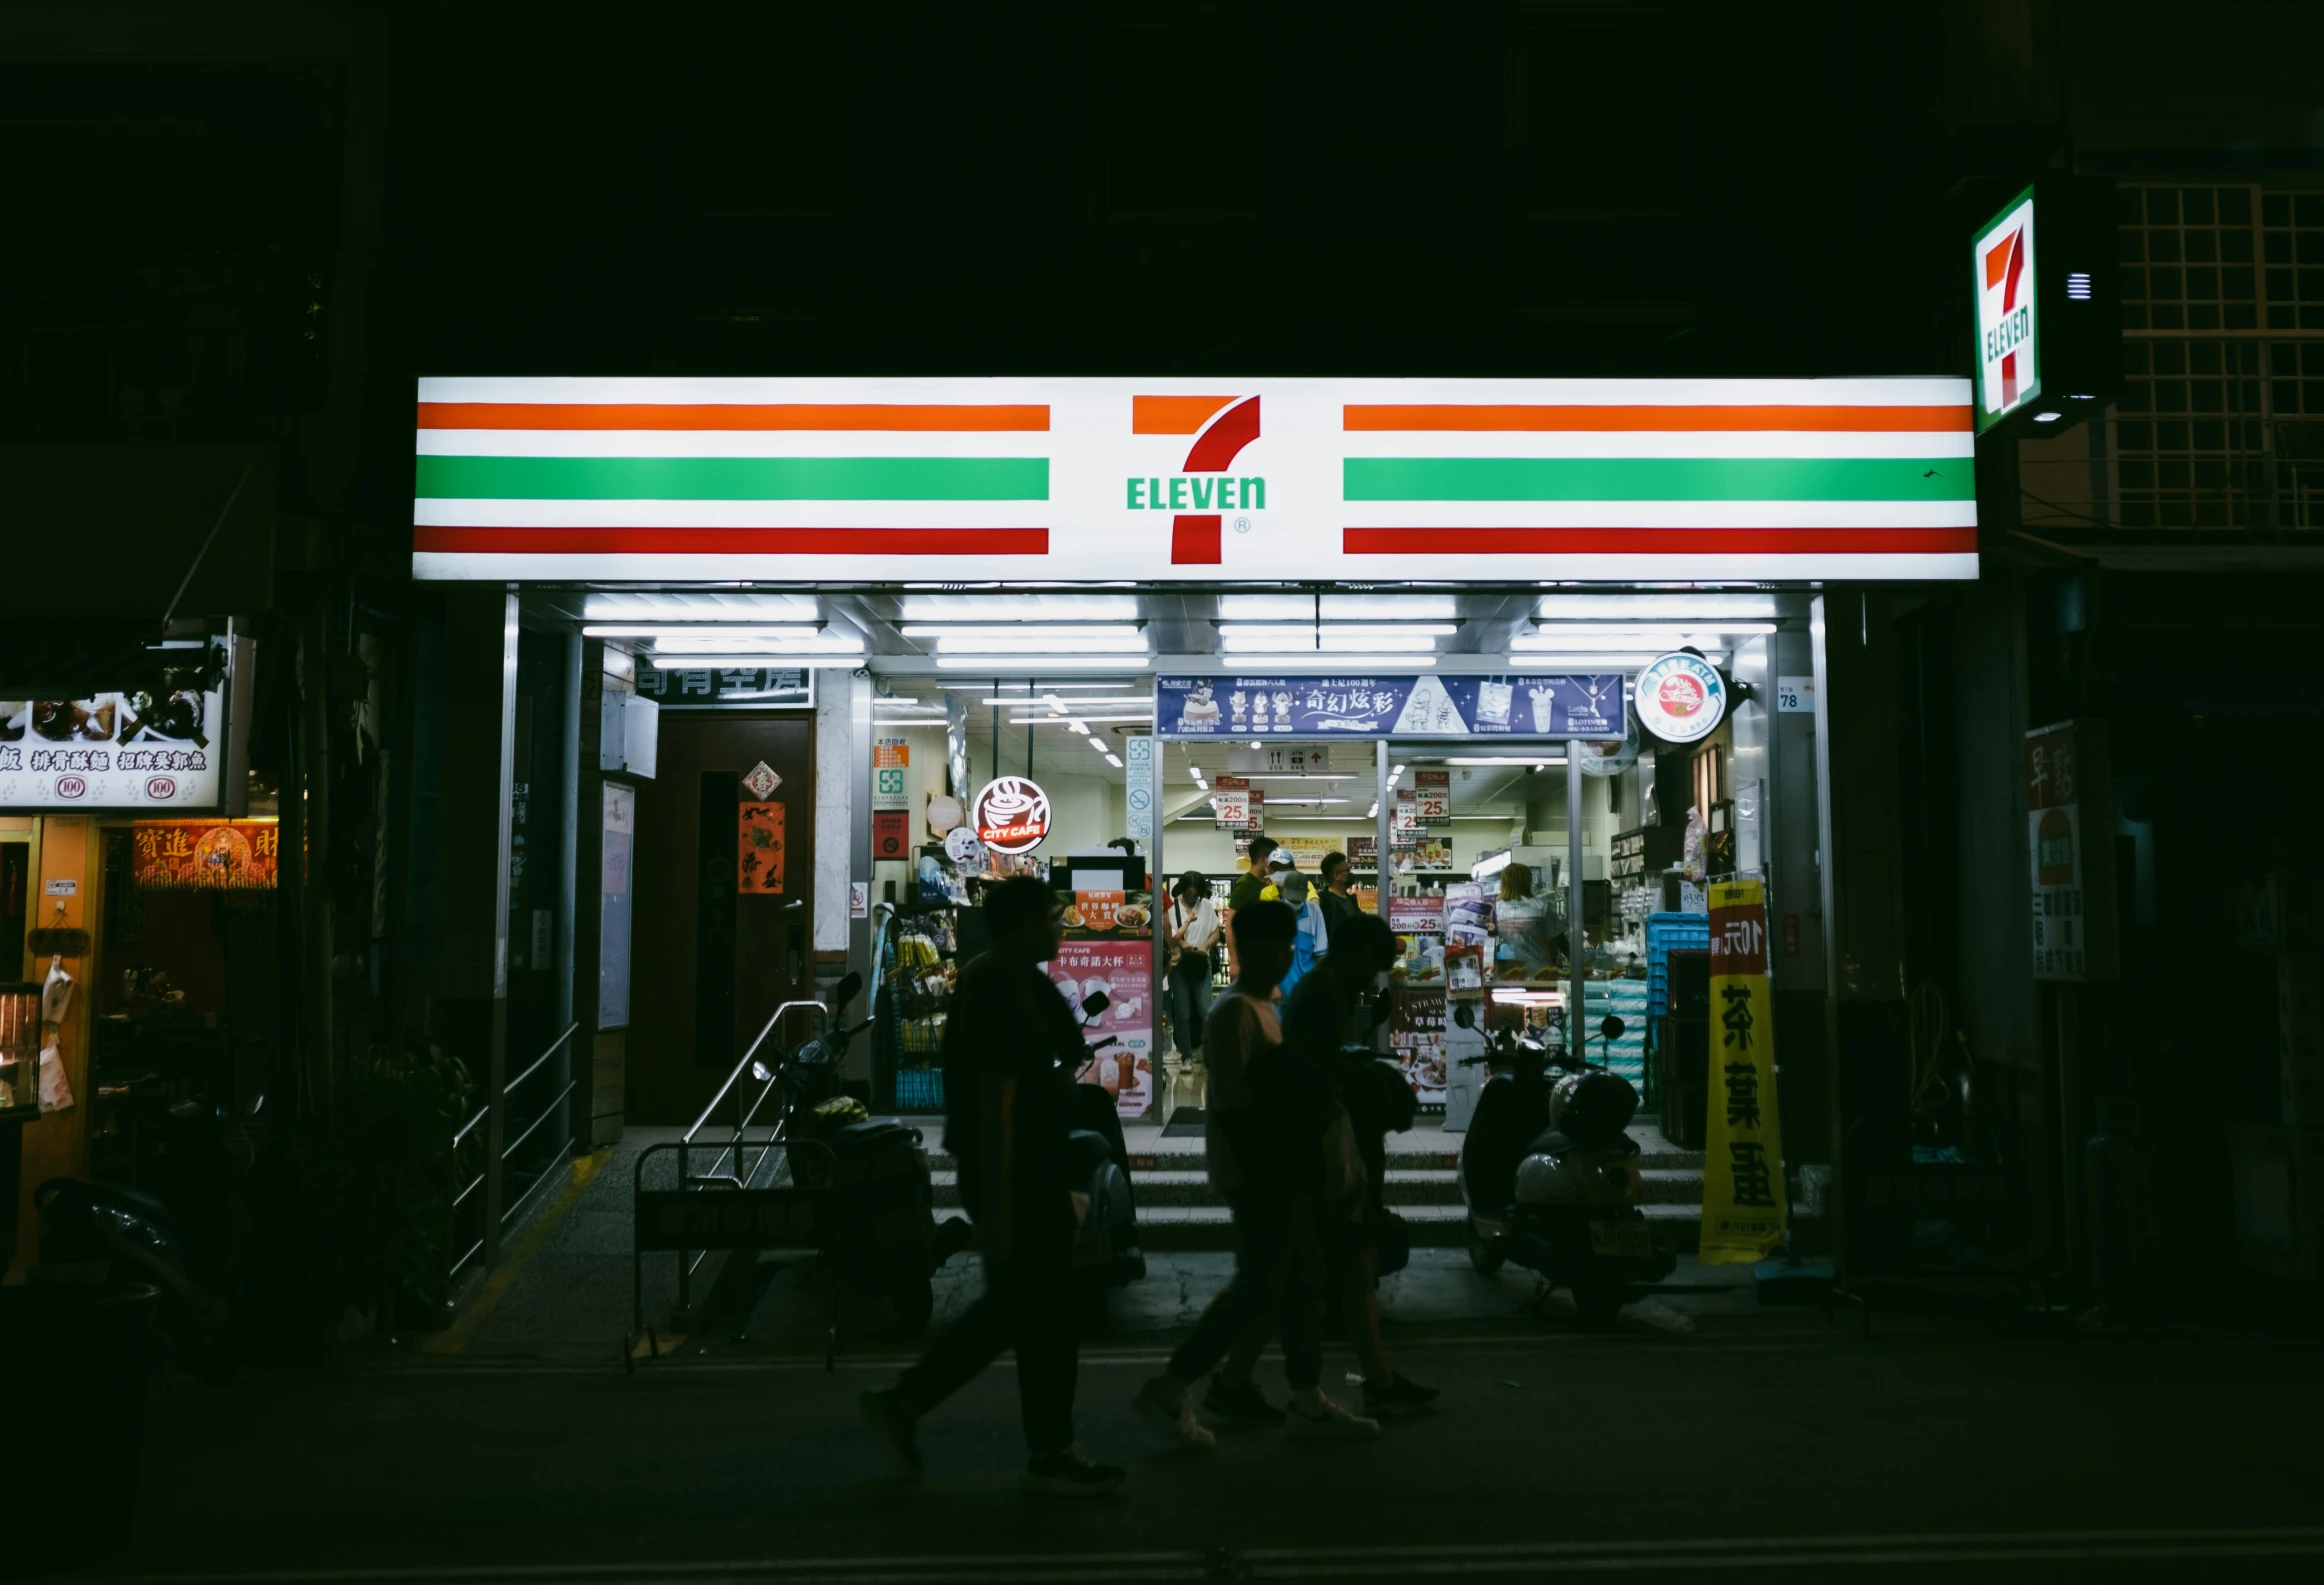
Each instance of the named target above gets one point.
<point>722,933</point>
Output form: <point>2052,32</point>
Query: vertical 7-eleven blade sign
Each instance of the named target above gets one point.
<point>2009,372</point>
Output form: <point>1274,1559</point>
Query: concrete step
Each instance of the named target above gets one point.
<point>1406,1186</point>
<point>1673,1186</point>
<point>1677,1227</point>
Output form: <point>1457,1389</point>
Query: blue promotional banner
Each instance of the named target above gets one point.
<point>1562,706</point>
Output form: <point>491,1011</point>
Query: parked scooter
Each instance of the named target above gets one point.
<point>888,1239</point>
<point>189,1245</point>
<point>1550,1176</point>
<point>1106,1253</point>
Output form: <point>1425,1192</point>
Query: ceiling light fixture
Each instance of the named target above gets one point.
<point>1023,661</point>
<point>1020,607</point>
<point>1676,607</point>
<point>1115,760</point>
<point>1537,761</point>
<point>698,606</point>
<point>721,662</point>
<point>1036,641</point>
<point>699,636</point>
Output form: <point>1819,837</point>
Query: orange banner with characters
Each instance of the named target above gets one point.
<point>204,855</point>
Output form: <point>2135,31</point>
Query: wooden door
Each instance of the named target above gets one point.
<point>713,952</point>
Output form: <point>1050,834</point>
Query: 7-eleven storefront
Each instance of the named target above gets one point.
<point>1402,618</point>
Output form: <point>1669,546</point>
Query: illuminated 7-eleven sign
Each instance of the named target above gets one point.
<point>2009,372</point>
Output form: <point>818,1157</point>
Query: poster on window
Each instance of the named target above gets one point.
<point>759,869</point>
<point>1123,969</point>
<point>1432,797</point>
<point>1416,1034</point>
<point>203,855</point>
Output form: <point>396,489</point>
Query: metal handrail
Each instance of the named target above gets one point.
<point>542,1060</point>
<point>510,1148</point>
<point>469,1127</point>
<point>742,1067</point>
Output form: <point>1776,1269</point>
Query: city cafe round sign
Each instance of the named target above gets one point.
<point>1011,814</point>
<point>1681,698</point>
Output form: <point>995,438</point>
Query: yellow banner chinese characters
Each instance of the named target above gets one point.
<point>1743,1188</point>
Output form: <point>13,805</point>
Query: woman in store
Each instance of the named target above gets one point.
<point>1193,933</point>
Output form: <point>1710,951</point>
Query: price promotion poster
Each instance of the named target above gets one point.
<point>1743,1185</point>
<point>1107,947</point>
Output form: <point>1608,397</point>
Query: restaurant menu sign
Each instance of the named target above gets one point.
<point>142,751</point>
<point>1247,706</point>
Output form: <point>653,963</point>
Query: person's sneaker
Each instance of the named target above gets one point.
<point>1240,1403</point>
<point>1327,1420</point>
<point>1163,1404</point>
<point>1068,1474</point>
<point>1402,1395</point>
<point>891,1424</point>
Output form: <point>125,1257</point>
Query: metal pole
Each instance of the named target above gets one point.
<point>1384,869</point>
<point>1576,1034</point>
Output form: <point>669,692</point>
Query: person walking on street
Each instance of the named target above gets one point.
<point>1316,1020</point>
<point>1194,934</point>
<point>1263,1138</point>
<point>1245,892</point>
<point>1312,941</point>
<point>1010,1050</point>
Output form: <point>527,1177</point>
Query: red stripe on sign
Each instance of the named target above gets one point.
<point>736,541</point>
<point>1656,541</point>
<point>1194,541</point>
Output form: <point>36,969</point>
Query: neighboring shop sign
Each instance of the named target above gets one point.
<point>1743,1183</point>
<point>2073,898</point>
<point>891,834</point>
<point>1432,797</point>
<point>204,855</point>
<point>730,688</point>
<point>1681,697</point>
<point>1060,479</point>
<point>759,865</point>
<point>1011,815</point>
<point>891,762</point>
<point>112,751</point>
<point>1367,707</point>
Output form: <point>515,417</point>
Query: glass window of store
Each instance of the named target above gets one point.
<point>975,781</point>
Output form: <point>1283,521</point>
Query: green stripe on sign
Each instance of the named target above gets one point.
<point>735,478</point>
<point>1659,479</point>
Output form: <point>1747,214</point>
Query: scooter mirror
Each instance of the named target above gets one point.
<point>1095,1003</point>
<point>847,989</point>
<point>1612,1028</point>
<point>1464,1015</point>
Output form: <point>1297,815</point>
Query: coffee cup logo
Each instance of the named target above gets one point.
<point>1011,814</point>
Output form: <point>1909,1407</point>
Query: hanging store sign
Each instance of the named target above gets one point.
<point>2009,367</point>
<point>2073,882</point>
<point>728,688</point>
<point>1011,815</point>
<point>1404,818</point>
<point>1579,705</point>
<point>909,479</point>
<point>204,855</point>
<point>1432,797</point>
<point>1230,803</point>
<point>1681,698</point>
<point>1743,1185</point>
<point>153,753</point>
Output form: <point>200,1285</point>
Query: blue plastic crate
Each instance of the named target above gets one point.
<point>920,1089</point>
<point>1663,932</point>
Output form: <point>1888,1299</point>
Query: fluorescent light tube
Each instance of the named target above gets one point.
<point>1022,661</point>
<point>723,662</point>
<point>1330,660</point>
<point>1676,607</point>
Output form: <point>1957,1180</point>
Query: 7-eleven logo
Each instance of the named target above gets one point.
<point>2009,358</point>
<point>1201,494</point>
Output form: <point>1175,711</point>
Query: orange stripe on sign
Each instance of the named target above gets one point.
<point>735,415</point>
<point>1173,415</point>
<point>1599,417</point>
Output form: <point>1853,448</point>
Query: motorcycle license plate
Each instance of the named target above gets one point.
<point>1621,1238</point>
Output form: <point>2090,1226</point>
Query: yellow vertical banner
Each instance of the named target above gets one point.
<point>1743,1198</point>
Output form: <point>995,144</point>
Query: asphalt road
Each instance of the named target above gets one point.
<point>1645,1455</point>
